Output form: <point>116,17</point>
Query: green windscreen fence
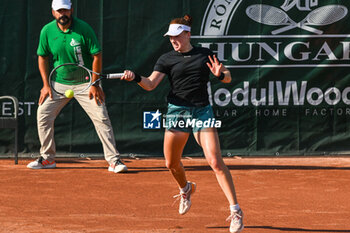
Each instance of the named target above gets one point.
<point>289,61</point>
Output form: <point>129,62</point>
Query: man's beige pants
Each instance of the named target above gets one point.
<point>49,110</point>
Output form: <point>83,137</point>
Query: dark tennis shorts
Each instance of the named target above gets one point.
<point>187,119</point>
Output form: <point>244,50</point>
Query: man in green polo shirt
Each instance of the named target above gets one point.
<point>71,40</point>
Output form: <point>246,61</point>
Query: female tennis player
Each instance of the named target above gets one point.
<point>188,69</point>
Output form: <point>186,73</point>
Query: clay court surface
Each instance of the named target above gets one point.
<point>276,194</point>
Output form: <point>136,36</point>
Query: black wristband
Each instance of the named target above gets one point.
<point>137,78</point>
<point>222,76</point>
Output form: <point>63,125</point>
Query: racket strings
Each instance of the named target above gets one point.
<point>327,15</point>
<point>72,73</point>
<point>267,15</point>
<point>68,74</point>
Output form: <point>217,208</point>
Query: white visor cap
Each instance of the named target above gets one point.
<point>176,29</point>
<point>61,4</point>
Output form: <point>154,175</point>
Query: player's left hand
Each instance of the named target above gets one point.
<point>97,93</point>
<point>215,66</point>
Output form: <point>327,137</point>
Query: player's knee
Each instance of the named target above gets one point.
<point>216,165</point>
<point>168,164</point>
<point>171,165</point>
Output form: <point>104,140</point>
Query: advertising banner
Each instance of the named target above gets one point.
<point>289,61</point>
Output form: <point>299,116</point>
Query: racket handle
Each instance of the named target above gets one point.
<point>115,75</point>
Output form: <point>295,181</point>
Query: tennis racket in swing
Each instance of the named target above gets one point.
<point>76,74</point>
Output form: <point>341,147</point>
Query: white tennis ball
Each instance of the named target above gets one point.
<point>69,93</point>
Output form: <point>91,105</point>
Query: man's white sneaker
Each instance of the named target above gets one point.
<point>236,219</point>
<point>42,163</point>
<point>185,198</point>
<point>117,167</point>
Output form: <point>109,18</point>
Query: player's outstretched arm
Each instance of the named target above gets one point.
<point>149,83</point>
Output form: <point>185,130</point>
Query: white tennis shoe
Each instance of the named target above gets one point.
<point>117,167</point>
<point>42,163</point>
<point>236,219</point>
<point>185,198</point>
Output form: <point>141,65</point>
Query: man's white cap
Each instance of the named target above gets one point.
<point>61,4</point>
<point>176,29</point>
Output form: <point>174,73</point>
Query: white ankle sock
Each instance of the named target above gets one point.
<point>186,188</point>
<point>234,207</point>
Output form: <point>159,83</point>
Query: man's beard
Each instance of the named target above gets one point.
<point>63,20</point>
